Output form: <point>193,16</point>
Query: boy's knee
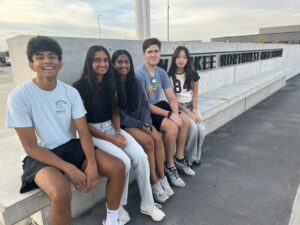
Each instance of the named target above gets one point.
<point>61,193</point>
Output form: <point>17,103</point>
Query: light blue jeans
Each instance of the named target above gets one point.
<point>132,152</point>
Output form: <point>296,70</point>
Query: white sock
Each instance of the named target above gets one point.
<point>111,216</point>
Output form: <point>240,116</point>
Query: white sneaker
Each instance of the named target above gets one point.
<point>118,222</point>
<point>152,210</point>
<point>159,193</point>
<point>166,186</point>
<point>123,215</point>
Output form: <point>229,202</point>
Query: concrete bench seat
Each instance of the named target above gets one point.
<point>15,207</point>
<point>217,107</point>
<point>223,104</point>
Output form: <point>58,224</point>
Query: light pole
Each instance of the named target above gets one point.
<point>99,24</point>
<point>168,18</point>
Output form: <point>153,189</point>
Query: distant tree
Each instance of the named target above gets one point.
<point>5,53</point>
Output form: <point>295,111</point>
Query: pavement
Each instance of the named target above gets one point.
<point>249,175</point>
<point>6,85</point>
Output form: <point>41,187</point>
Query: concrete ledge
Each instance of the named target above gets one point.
<point>217,107</point>
<point>295,215</point>
<point>222,105</point>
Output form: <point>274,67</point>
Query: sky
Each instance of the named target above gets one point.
<point>188,19</point>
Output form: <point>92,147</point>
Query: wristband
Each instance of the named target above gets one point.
<point>169,114</point>
<point>118,132</point>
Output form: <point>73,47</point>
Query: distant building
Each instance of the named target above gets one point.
<point>282,34</point>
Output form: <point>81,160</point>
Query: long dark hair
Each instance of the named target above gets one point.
<point>108,82</point>
<point>188,68</point>
<point>130,82</point>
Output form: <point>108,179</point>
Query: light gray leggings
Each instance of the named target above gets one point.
<point>131,152</point>
<point>195,138</point>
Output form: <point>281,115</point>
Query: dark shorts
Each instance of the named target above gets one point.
<point>188,105</point>
<point>71,152</point>
<point>157,119</point>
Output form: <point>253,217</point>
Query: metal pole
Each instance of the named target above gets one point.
<point>168,30</point>
<point>99,25</point>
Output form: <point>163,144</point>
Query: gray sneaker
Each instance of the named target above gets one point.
<point>174,178</point>
<point>184,167</point>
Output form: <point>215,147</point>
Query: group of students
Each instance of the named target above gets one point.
<point>117,112</point>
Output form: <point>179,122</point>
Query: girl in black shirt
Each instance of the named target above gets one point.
<point>97,89</point>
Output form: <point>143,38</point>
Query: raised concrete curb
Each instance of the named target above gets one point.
<point>295,216</point>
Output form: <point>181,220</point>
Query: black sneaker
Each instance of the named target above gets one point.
<point>184,167</point>
<point>174,178</point>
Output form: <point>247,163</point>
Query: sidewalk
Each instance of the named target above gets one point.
<point>6,85</point>
<point>249,175</point>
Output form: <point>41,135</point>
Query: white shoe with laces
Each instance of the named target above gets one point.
<point>166,186</point>
<point>152,210</point>
<point>159,193</point>
<point>118,222</point>
<point>123,215</point>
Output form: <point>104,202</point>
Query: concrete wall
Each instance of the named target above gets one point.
<point>74,51</point>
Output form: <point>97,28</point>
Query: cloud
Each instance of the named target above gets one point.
<point>189,20</point>
<point>71,18</point>
<point>202,20</point>
<point>45,12</point>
